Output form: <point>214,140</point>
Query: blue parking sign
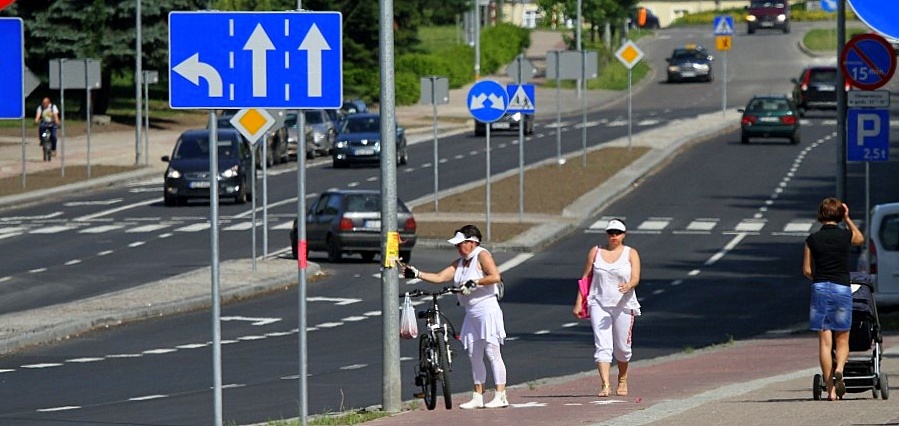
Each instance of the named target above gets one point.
<point>868,135</point>
<point>237,60</point>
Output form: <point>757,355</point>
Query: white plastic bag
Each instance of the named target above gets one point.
<point>408,322</point>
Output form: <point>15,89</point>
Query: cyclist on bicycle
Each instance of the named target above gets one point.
<point>483,330</point>
<point>48,118</point>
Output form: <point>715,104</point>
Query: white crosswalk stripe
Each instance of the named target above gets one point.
<point>750,225</point>
<point>147,228</point>
<point>285,225</point>
<point>197,227</point>
<point>51,229</point>
<point>101,229</point>
<point>653,224</point>
<point>705,226</point>
<point>243,226</point>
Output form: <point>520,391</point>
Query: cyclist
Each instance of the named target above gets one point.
<point>483,330</point>
<point>48,117</point>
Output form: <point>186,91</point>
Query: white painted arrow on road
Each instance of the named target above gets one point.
<point>335,300</point>
<point>253,321</point>
<point>314,43</point>
<point>259,43</point>
<point>192,69</point>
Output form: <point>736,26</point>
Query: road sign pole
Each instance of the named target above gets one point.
<point>558,109</point>
<point>24,178</point>
<point>584,106</point>
<point>62,120</point>
<point>436,157</point>
<point>138,74</point>
<point>264,196</point>
<point>214,243</point>
<point>488,183</point>
<point>724,86</point>
<point>520,81</point>
<point>302,264</point>
<point>87,93</point>
<point>630,96</point>
<point>841,104</point>
<point>253,221</point>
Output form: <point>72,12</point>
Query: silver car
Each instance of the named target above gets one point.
<point>320,133</point>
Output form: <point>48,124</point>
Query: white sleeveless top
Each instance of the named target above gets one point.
<point>483,315</point>
<point>606,278</point>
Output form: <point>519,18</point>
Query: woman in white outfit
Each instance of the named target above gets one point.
<point>483,331</point>
<point>612,303</point>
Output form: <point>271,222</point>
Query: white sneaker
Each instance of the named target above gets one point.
<point>499,401</point>
<point>477,401</point>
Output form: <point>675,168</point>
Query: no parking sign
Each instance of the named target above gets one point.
<point>868,61</point>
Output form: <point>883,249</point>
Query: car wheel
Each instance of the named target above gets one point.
<point>795,138</point>
<point>744,138</point>
<point>293,251</point>
<point>334,253</point>
<point>750,30</point>
<point>269,157</point>
<point>403,158</point>
<point>338,164</point>
<point>786,28</point>
<point>169,201</point>
<point>406,255</point>
<point>709,78</point>
<point>241,196</point>
<point>310,154</point>
<point>802,111</point>
<point>368,256</point>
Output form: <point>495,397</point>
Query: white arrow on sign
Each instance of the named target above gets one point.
<point>192,69</point>
<point>314,43</point>
<point>477,102</point>
<point>336,300</point>
<point>259,43</point>
<point>253,321</point>
<point>496,102</point>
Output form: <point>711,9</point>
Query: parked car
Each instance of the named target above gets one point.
<point>508,122</point>
<point>275,140</point>
<point>187,175</point>
<point>336,116</point>
<point>768,14</point>
<point>882,257</point>
<point>769,116</point>
<point>320,135</point>
<point>691,62</point>
<point>354,106</point>
<point>816,88</point>
<point>359,141</point>
<point>349,221</point>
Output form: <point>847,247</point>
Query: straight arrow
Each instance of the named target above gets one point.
<point>192,69</point>
<point>259,43</point>
<point>313,44</point>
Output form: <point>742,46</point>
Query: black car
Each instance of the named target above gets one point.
<point>187,175</point>
<point>768,14</point>
<point>691,62</point>
<point>769,116</point>
<point>508,122</point>
<point>359,141</point>
<point>816,88</point>
<point>349,221</point>
<point>275,142</point>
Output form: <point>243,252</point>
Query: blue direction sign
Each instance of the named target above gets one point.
<point>868,134</point>
<point>881,15</point>
<point>521,98</point>
<point>487,101</point>
<point>868,61</point>
<point>12,68</point>
<point>829,5</point>
<point>255,60</point>
<point>723,25</point>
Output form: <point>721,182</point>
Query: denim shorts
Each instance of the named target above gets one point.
<point>831,307</point>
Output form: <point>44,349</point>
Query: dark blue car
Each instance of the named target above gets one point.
<point>187,175</point>
<point>359,141</point>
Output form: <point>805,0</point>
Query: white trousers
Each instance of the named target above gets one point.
<point>611,333</point>
<point>476,353</point>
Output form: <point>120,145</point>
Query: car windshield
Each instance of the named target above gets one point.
<point>370,203</point>
<point>767,105</point>
<point>198,147</point>
<point>763,4</point>
<point>688,55</point>
<point>823,76</point>
<point>361,125</point>
<point>314,117</point>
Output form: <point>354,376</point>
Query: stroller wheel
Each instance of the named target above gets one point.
<point>884,385</point>
<point>817,387</point>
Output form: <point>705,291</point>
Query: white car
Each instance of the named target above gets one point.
<point>882,256</point>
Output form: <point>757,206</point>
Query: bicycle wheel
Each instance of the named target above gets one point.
<point>426,371</point>
<point>444,368</point>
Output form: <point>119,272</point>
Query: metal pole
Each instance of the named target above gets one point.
<point>629,109</point>
<point>477,41</point>
<point>436,157</point>
<point>214,244</point>
<point>24,175</point>
<point>521,60</point>
<point>487,125</point>
<point>138,71</point>
<point>253,221</point>
<point>867,204</point>
<point>264,197</point>
<point>146,120</point>
<point>392,398</point>
<point>584,106</point>
<point>62,121</point>
<point>579,43</point>
<point>841,103</point>
<point>87,91</point>
<point>301,263</point>
<point>724,86</point>
<point>558,109</point>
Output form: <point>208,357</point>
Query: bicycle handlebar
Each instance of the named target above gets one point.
<point>444,290</point>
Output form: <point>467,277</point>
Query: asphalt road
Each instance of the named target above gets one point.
<point>719,228</point>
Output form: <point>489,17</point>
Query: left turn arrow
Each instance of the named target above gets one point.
<point>192,69</point>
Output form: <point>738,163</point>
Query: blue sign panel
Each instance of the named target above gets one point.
<point>723,25</point>
<point>829,5</point>
<point>881,15</point>
<point>867,135</point>
<point>521,98</point>
<point>487,101</point>
<point>12,68</point>
<point>239,60</point>
<point>868,61</point>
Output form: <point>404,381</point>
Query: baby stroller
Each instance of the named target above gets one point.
<point>862,371</point>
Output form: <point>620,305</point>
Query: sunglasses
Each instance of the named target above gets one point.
<point>614,232</point>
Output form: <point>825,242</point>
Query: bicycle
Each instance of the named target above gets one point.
<point>435,356</point>
<point>46,142</point>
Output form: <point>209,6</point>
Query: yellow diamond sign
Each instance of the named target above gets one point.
<point>629,54</point>
<point>252,123</point>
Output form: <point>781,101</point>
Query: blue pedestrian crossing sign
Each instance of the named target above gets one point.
<point>521,98</point>
<point>487,101</point>
<point>237,60</point>
<point>723,25</point>
<point>12,68</point>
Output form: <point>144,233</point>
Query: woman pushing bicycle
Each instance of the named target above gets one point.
<point>483,331</point>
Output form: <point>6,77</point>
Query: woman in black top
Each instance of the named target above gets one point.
<point>826,263</point>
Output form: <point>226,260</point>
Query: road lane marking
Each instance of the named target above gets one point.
<point>51,229</point>
<point>147,228</point>
<point>147,398</point>
<point>37,271</point>
<point>117,209</point>
<point>159,351</point>
<point>101,229</point>
<point>104,253</point>
<point>44,365</point>
<point>84,360</point>
<point>353,366</point>
<point>194,228</point>
<point>54,409</point>
<point>252,321</point>
<point>137,244</point>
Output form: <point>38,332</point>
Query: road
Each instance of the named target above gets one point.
<point>719,228</point>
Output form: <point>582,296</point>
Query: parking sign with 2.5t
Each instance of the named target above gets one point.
<point>868,132</point>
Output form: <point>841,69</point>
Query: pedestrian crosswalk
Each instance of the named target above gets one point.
<point>137,226</point>
<point>798,227</point>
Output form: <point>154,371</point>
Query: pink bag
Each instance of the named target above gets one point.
<point>583,286</point>
<point>408,322</point>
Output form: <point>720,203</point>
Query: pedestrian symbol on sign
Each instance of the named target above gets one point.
<point>521,98</point>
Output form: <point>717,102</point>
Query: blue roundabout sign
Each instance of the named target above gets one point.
<point>487,101</point>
